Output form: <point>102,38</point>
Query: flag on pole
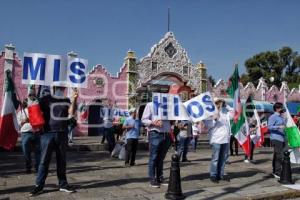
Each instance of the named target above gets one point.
<point>292,132</point>
<point>83,109</point>
<point>257,137</point>
<point>8,119</point>
<point>254,121</point>
<point>239,124</point>
<point>263,130</point>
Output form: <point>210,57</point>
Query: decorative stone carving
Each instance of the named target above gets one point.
<point>170,58</point>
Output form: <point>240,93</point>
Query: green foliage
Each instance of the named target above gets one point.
<point>283,65</point>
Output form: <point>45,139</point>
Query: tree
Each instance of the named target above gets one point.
<point>244,79</point>
<point>283,65</point>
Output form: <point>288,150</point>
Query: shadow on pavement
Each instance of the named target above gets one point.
<point>28,189</point>
<point>232,175</point>
<point>194,192</point>
<point>101,184</point>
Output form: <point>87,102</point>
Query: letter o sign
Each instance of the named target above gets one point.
<point>195,109</point>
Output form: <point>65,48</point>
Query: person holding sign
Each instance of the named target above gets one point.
<point>219,134</point>
<point>159,143</point>
<point>185,134</point>
<point>107,113</point>
<point>56,109</point>
<point>30,138</point>
<point>132,127</point>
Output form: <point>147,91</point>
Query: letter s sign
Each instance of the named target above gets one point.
<point>77,68</point>
<point>210,106</point>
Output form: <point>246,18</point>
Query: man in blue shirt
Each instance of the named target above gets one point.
<point>132,127</point>
<point>276,124</point>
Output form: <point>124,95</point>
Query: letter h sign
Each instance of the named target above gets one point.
<point>168,107</point>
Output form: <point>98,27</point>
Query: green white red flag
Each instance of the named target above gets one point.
<point>239,124</point>
<point>256,138</point>
<point>292,131</point>
<point>293,136</point>
<point>83,109</point>
<point>8,119</point>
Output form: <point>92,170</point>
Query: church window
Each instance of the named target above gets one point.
<point>185,70</point>
<point>154,66</point>
<point>170,50</point>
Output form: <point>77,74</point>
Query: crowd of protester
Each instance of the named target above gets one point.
<point>59,114</point>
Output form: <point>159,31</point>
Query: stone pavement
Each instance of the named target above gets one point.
<point>97,176</point>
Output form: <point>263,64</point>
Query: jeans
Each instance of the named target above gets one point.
<point>31,140</point>
<point>183,147</point>
<point>277,156</point>
<point>70,135</point>
<point>195,143</point>
<point>53,142</point>
<point>101,132</point>
<point>109,136</point>
<point>219,157</point>
<point>159,144</point>
<point>130,148</point>
<point>233,141</point>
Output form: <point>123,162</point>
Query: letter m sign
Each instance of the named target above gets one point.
<point>34,67</point>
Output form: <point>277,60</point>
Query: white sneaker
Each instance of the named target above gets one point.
<point>276,176</point>
<point>246,161</point>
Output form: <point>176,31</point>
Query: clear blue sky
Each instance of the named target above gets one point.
<point>220,33</point>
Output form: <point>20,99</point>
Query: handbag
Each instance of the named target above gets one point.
<point>122,153</point>
<point>35,115</point>
<point>115,152</point>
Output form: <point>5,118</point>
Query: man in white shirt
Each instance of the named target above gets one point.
<point>107,112</point>
<point>219,130</point>
<point>159,142</point>
<point>29,138</point>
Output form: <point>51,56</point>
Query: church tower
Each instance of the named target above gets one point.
<point>132,78</point>
<point>202,77</point>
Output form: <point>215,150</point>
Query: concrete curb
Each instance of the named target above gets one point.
<point>288,194</point>
<point>96,146</point>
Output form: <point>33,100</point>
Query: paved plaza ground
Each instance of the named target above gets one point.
<point>97,176</point>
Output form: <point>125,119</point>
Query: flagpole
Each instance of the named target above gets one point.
<point>169,19</point>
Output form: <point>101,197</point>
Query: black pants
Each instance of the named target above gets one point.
<point>277,156</point>
<point>252,146</point>
<point>130,148</point>
<point>234,141</point>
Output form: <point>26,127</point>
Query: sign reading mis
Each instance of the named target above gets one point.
<point>54,70</point>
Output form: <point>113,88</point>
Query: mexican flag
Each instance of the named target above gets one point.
<point>239,124</point>
<point>257,137</point>
<point>263,131</point>
<point>83,109</point>
<point>292,131</point>
<point>8,119</point>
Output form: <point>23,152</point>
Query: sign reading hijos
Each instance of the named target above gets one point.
<point>54,70</point>
<point>170,107</point>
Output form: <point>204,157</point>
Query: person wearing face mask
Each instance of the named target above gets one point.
<point>276,125</point>
<point>30,137</point>
<point>219,136</point>
<point>56,109</point>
